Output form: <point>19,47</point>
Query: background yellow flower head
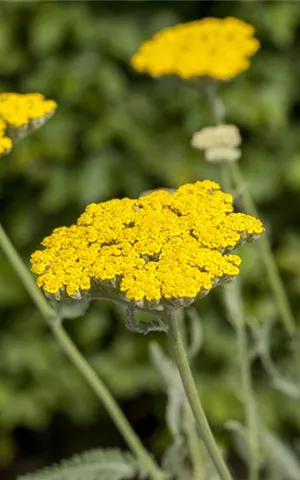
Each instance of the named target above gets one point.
<point>211,47</point>
<point>20,114</point>
<point>161,249</point>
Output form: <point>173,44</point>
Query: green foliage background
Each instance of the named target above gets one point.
<point>116,134</point>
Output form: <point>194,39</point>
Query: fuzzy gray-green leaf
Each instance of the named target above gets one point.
<point>91,465</point>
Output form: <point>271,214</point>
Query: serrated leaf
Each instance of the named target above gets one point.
<point>96,464</point>
<point>156,324</point>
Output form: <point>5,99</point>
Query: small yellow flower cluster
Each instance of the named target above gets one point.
<point>211,47</point>
<point>158,250</point>
<point>20,114</point>
<point>219,143</point>
<point>5,142</point>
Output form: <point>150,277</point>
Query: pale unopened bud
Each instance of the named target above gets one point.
<point>220,135</point>
<point>222,154</point>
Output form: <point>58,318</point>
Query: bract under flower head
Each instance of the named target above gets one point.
<point>21,114</point>
<point>161,250</point>
<point>211,47</point>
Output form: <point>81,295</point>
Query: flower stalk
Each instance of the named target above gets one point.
<point>195,446</point>
<point>78,360</point>
<point>234,172</point>
<point>193,398</point>
<point>275,281</point>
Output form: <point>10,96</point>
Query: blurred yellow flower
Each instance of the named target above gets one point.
<point>163,249</point>
<point>211,47</point>
<point>5,142</point>
<point>21,114</point>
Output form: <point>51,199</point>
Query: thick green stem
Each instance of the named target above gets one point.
<point>266,254</point>
<point>78,360</point>
<point>193,398</point>
<point>195,445</point>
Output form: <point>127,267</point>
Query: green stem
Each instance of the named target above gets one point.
<point>193,398</point>
<point>78,360</point>
<point>226,180</point>
<point>194,445</point>
<point>266,254</point>
<point>219,112</point>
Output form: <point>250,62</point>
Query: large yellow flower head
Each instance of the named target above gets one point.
<point>164,249</point>
<point>20,114</point>
<point>211,47</point>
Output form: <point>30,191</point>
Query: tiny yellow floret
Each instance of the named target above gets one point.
<point>218,48</point>
<point>160,249</point>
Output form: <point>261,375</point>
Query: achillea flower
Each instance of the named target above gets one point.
<point>219,143</point>
<point>211,47</point>
<point>164,249</point>
<point>5,142</point>
<point>20,114</point>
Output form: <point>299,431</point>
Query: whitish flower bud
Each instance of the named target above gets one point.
<point>218,136</point>
<point>222,154</point>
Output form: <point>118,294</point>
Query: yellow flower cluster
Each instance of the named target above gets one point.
<point>211,47</point>
<point>5,142</point>
<point>156,250</point>
<point>21,113</point>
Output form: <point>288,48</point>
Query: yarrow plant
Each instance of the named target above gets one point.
<point>158,253</point>
<point>211,47</point>
<point>162,250</point>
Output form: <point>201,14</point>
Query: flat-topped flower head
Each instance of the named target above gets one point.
<point>218,48</point>
<point>164,249</point>
<point>20,114</point>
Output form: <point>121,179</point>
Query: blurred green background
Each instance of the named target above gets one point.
<point>117,134</point>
